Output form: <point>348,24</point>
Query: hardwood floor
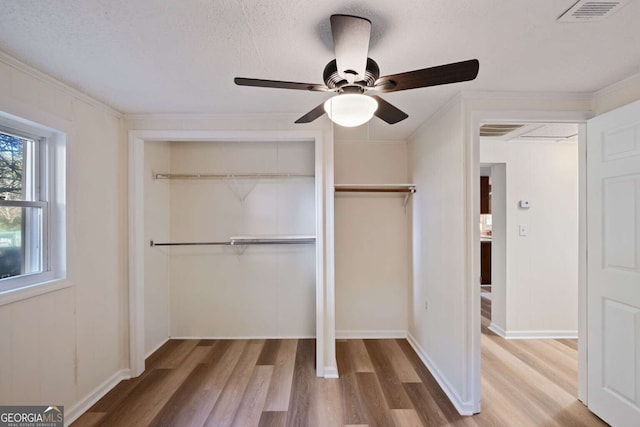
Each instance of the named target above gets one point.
<point>530,382</point>
<point>382,383</point>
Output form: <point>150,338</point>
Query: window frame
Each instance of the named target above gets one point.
<point>48,174</point>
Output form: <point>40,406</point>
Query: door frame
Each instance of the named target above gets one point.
<point>476,119</point>
<point>325,287</point>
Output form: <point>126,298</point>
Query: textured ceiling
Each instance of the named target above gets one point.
<point>169,56</point>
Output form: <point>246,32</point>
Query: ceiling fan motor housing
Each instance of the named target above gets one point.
<point>333,80</point>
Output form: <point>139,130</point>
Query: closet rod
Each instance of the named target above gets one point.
<point>375,189</point>
<point>152,243</point>
<point>244,241</point>
<point>230,175</point>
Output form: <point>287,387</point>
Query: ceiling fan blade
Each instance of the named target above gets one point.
<point>351,44</point>
<point>312,115</point>
<point>388,112</point>
<point>440,75</point>
<point>242,81</point>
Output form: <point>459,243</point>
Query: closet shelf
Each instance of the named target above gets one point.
<point>375,188</point>
<point>230,175</point>
<point>242,184</point>
<point>247,240</point>
<point>407,189</point>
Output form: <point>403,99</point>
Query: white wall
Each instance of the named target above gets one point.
<point>372,241</point>
<point>268,291</point>
<point>541,268</point>
<point>157,226</point>
<point>63,345</point>
<point>436,151</point>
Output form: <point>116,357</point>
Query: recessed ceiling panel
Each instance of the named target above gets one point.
<point>553,131</point>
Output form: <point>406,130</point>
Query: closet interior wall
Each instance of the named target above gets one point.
<point>226,291</point>
<point>372,245</point>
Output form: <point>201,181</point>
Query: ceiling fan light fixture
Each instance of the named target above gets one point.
<point>350,109</point>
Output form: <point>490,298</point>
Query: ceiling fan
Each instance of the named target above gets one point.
<point>353,73</point>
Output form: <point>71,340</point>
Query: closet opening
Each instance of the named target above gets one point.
<point>228,239</point>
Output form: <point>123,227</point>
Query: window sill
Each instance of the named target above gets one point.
<point>30,291</point>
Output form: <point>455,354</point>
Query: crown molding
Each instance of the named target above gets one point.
<point>45,78</point>
<point>210,116</point>
<point>620,85</point>
<point>509,95</point>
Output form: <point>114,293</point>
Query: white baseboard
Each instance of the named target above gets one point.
<point>384,334</point>
<point>463,408</point>
<point>497,330</point>
<point>157,347</point>
<point>89,400</point>
<point>533,335</point>
<point>293,337</point>
<point>541,335</point>
<point>330,372</point>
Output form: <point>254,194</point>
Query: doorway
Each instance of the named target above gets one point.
<point>531,188</point>
<point>531,230</point>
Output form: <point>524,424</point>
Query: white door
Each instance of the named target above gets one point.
<point>613,275</point>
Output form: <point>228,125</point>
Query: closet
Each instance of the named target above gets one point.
<point>372,238</point>
<point>230,228</point>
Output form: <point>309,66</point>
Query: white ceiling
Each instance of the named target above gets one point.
<point>166,56</point>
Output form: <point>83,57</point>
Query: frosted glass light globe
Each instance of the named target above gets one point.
<point>350,109</point>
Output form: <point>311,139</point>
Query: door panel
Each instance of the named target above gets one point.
<point>619,209</point>
<point>621,143</point>
<point>620,367</point>
<point>613,266</point>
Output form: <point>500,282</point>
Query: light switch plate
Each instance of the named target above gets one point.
<point>523,230</point>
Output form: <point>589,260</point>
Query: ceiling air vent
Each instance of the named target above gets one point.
<point>587,10</point>
<point>497,130</point>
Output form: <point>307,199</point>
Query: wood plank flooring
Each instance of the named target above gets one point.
<point>530,382</point>
<point>382,383</point>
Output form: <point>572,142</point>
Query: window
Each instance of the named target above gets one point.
<point>27,209</point>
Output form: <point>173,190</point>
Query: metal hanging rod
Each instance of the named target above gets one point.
<point>247,240</point>
<point>152,244</point>
<point>375,188</point>
<point>407,189</point>
<point>230,175</point>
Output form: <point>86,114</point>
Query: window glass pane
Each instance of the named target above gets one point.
<point>20,241</point>
<point>12,167</point>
